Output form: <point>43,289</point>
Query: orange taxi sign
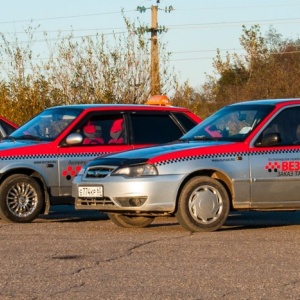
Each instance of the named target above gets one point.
<point>161,100</point>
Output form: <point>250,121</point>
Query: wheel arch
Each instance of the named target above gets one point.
<point>38,177</point>
<point>216,174</point>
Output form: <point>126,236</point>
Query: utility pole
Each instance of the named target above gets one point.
<point>154,68</point>
<point>154,71</point>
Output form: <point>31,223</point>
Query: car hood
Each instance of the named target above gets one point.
<point>8,144</point>
<point>150,152</point>
<point>168,151</point>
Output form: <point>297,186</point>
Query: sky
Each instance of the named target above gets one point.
<point>196,28</point>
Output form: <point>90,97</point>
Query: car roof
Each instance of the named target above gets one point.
<point>270,101</point>
<point>123,106</point>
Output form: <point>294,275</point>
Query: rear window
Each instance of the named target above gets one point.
<point>8,129</point>
<point>186,122</point>
<point>154,129</point>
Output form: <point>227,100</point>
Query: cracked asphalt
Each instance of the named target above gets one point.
<point>83,255</point>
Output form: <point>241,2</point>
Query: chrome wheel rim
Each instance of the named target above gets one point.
<point>205,204</point>
<point>22,199</point>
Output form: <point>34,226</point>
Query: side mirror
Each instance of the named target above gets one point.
<point>74,139</point>
<point>269,139</point>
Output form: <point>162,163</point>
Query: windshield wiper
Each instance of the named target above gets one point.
<point>204,138</point>
<point>28,137</point>
<point>9,138</point>
<point>181,140</point>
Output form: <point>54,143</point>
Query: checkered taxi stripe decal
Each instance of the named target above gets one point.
<point>225,155</point>
<point>52,156</point>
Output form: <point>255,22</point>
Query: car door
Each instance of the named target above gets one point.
<point>275,167</point>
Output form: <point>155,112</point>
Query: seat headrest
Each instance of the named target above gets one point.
<point>117,126</point>
<point>89,128</point>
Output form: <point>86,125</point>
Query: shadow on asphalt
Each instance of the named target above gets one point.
<point>236,221</point>
<point>261,219</point>
<point>67,213</point>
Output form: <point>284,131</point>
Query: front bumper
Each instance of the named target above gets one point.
<point>152,194</point>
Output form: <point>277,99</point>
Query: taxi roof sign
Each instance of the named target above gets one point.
<point>161,100</point>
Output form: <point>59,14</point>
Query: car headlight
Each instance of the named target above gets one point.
<point>137,170</point>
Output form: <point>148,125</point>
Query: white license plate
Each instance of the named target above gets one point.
<point>90,191</point>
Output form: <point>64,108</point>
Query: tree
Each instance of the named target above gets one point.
<point>268,69</point>
<point>100,69</point>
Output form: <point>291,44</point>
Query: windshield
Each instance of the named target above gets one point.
<point>231,123</point>
<point>47,125</point>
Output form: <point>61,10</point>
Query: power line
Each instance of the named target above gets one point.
<point>270,21</point>
<point>134,10</point>
<point>237,7</point>
<point>69,37</point>
<point>63,17</point>
<point>66,30</point>
<point>178,26</point>
<point>180,59</point>
<point>208,50</point>
<point>202,58</point>
<point>171,27</point>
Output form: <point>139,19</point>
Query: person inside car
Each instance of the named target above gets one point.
<point>92,134</point>
<point>117,132</point>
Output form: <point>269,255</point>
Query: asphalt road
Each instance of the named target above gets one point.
<point>83,255</point>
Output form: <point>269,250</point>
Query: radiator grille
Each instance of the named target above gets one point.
<point>98,172</point>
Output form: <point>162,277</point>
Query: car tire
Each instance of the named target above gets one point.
<point>21,199</point>
<point>203,204</point>
<point>130,221</point>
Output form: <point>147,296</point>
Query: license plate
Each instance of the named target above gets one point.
<point>90,191</point>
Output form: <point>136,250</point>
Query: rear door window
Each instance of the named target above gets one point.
<point>150,128</point>
<point>6,128</point>
<point>186,122</point>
